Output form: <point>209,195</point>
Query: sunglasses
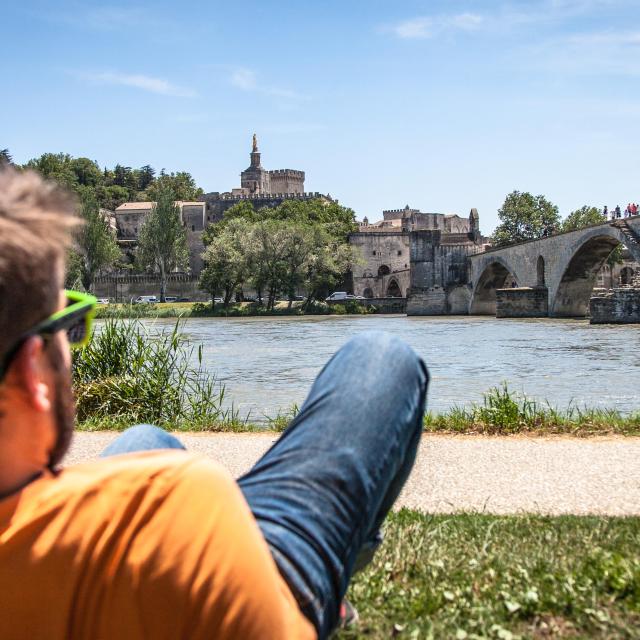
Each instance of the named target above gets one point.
<point>76,319</point>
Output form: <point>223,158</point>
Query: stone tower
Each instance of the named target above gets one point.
<point>255,179</point>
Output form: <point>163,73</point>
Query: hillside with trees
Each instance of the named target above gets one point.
<point>109,187</point>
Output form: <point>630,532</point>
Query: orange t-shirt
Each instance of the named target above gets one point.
<point>151,545</point>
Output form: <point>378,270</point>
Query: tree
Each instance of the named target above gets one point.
<point>55,166</point>
<point>145,176</point>
<point>162,243</point>
<point>326,265</point>
<point>97,247</point>
<point>525,217</point>
<point>582,217</point>
<point>87,171</point>
<point>73,275</point>
<point>182,184</point>
<point>226,261</point>
<point>585,216</point>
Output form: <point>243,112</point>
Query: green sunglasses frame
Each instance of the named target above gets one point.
<point>81,305</point>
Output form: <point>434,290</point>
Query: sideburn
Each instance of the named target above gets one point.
<point>64,407</point>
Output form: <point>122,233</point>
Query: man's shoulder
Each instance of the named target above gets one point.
<point>104,487</point>
<point>161,469</point>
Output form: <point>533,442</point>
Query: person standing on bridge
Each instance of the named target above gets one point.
<point>618,212</point>
<point>605,212</point>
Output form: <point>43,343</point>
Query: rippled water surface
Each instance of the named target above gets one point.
<point>267,364</point>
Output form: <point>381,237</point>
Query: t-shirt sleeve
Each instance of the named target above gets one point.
<point>193,564</point>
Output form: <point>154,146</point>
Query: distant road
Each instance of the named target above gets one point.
<point>471,473</point>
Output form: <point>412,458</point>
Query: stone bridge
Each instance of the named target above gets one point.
<point>553,276</point>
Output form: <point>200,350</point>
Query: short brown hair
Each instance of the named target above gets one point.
<point>36,219</point>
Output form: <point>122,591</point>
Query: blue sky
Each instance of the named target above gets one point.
<point>441,105</point>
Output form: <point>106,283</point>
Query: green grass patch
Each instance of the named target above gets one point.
<point>472,576</point>
<point>504,412</point>
<point>236,310</point>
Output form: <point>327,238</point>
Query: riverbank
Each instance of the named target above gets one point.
<point>501,413</point>
<point>235,310</point>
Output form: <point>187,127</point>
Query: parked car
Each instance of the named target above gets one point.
<point>184,300</point>
<point>171,299</point>
<point>217,300</point>
<point>103,300</point>
<point>145,300</point>
<point>337,295</point>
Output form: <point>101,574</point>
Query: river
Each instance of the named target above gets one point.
<point>267,364</point>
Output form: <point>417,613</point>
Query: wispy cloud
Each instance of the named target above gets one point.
<point>244,79</point>
<point>422,27</point>
<point>247,80</point>
<point>137,81</point>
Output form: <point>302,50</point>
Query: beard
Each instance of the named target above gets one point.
<point>64,410</point>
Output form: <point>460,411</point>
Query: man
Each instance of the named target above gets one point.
<point>160,543</point>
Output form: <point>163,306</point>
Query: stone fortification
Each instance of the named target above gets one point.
<point>419,256</point>
<point>217,203</point>
<point>259,186</point>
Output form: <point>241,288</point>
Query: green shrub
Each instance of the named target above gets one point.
<point>128,375</point>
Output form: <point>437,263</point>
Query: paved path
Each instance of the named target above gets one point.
<point>470,473</point>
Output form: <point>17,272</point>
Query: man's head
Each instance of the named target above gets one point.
<point>36,402</point>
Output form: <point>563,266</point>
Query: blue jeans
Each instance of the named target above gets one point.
<point>322,491</point>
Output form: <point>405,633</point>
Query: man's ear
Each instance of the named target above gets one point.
<point>28,370</point>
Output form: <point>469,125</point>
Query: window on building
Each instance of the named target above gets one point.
<point>374,253</point>
<point>136,229</point>
<point>383,270</point>
<point>193,227</point>
<point>399,252</point>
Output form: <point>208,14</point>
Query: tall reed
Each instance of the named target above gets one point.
<point>127,374</point>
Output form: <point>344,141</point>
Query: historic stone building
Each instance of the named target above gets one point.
<point>261,187</point>
<point>130,217</point>
<point>417,255</point>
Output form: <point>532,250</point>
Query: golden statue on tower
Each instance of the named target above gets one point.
<point>255,143</point>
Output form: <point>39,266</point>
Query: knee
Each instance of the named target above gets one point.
<point>380,348</point>
<point>142,437</point>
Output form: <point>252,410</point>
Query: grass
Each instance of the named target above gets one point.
<point>241,309</point>
<point>471,576</point>
<point>126,376</point>
<point>503,412</point>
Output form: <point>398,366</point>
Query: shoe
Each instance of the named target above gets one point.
<point>348,616</point>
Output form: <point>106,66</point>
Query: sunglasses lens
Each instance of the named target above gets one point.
<point>78,331</point>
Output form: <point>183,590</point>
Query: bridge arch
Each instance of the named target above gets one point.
<point>576,284</point>
<point>495,275</point>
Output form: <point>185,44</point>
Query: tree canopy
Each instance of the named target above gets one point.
<point>582,217</point>
<point>279,250</point>
<point>110,187</point>
<point>525,217</point>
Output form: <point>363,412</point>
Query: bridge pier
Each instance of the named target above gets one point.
<point>522,302</point>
